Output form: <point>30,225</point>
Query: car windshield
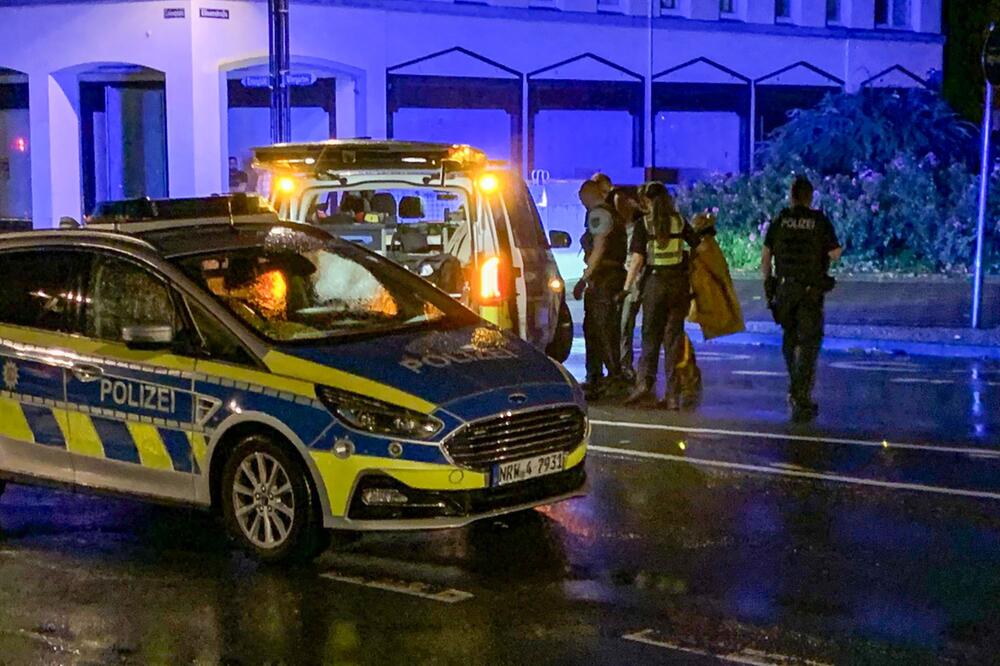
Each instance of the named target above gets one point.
<point>294,286</point>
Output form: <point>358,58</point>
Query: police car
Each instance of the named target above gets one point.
<point>294,382</point>
<point>448,213</point>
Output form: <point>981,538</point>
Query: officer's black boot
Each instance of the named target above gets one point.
<point>643,392</point>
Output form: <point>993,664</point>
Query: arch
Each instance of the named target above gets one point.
<point>586,103</point>
<point>15,154</point>
<point>896,76</point>
<point>701,119</point>
<point>800,85</point>
<point>327,102</point>
<point>457,96</point>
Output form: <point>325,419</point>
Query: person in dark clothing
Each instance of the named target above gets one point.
<point>629,209</point>
<point>666,294</point>
<point>602,282</point>
<point>800,243</point>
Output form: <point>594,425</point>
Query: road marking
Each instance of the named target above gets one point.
<point>877,366</point>
<point>416,589</point>
<point>966,450</point>
<point>745,656</point>
<point>921,380</point>
<point>722,356</point>
<point>760,373</point>
<point>816,476</point>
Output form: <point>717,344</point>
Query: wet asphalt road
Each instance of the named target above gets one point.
<point>722,535</point>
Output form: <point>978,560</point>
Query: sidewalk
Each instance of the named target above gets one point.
<point>917,316</point>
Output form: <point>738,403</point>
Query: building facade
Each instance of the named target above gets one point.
<point>104,100</point>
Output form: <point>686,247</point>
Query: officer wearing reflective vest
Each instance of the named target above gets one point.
<point>605,246</point>
<point>666,293</point>
<point>801,243</point>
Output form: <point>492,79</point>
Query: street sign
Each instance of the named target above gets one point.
<point>991,56</point>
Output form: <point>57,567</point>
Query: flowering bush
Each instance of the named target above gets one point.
<point>910,211</point>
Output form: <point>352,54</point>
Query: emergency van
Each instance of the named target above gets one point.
<point>294,382</point>
<point>446,212</point>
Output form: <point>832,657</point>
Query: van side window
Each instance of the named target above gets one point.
<point>220,344</point>
<point>122,294</point>
<point>42,289</point>
<point>524,219</point>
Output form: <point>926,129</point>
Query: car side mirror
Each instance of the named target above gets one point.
<point>559,240</point>
<point>148,336</point>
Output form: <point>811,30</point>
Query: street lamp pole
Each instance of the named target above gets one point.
<point>649,146</point>
<point>280,65</point>
<point>991,72</point>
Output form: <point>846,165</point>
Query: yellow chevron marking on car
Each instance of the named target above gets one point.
<point>79,433</point>
<point>576,457</point>
<point>152,450</point>
<point>320,374</point>
<point>89,347</point>
<point>199,447</point>
<point>13,424</point>
<point>268,380</point>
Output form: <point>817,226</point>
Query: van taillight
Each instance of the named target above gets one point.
<point>489,281</point>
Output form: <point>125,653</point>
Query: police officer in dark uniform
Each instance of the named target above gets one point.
<point>605,247</point>
<point>666,294</point>
<point>801,243</point>
<point>629,209</point>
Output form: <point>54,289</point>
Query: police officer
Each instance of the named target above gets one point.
<point>801,243</point>
<point>666,294</point>
<point>602,283</point>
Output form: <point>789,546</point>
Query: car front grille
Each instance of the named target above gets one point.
<point>518,435</point>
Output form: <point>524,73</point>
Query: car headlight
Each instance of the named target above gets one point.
<point>377,417</point>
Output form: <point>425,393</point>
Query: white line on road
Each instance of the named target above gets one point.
<point>922,380</point>
<point>752,657</point>
<point>817,476</point>
<point>422,590</point>
<point>967,450</point>
<point>760,373</point>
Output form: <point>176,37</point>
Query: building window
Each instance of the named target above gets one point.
<point>892,13</point>
<point>783,9</point>
<point>668,5</point>
<point>833,11</point>
<point>608,4</point>
<point>726,7</point>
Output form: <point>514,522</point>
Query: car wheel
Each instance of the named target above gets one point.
<point>268,504</point>
<point>3,487</point>
<point>562,341</point>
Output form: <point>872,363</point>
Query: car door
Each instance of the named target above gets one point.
<point>39,306</point>
<point>130,391</point>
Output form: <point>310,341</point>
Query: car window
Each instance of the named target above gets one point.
<point>220,344</point>
<point>524,219</point>
<point>121,294</point>
<point>42,289</point>
<point>295,287</point>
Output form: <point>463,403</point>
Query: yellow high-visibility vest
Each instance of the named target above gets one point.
<point>671,251</point>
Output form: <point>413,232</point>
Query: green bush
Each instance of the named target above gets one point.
<point>909,210</point>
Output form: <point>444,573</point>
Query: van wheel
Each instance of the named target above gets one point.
<point>562,342</point>
<point>268,503</point>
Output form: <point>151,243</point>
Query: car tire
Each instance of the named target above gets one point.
<point>3,487</point>
<point>268,504</point>
<point>562,341</point>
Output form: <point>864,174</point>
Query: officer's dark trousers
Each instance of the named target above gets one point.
<point>666,298</point>
<point>630,311</point>
<point>600,323</point>
<point>799,310</point>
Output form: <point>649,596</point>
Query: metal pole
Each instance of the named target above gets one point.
<point>280,65</point>
<point>753,126</point>
<point>984,190</point>
<point>647,139</point>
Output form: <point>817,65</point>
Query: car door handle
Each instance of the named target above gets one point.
<point>87,373</point>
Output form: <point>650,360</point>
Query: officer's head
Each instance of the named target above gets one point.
<point>802,192</point>
<point>591,194</point>
<point>604,181</point>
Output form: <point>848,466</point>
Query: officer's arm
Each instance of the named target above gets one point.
<point>636,262</point>
<point>691,237</point>
<point>595,255</point>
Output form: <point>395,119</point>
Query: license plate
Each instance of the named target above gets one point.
<point>529,468</point>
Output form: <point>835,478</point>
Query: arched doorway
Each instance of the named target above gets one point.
<point>797,86</point>
<point>123,132</point>
<point>323,106</point>
<point>15,152</point>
